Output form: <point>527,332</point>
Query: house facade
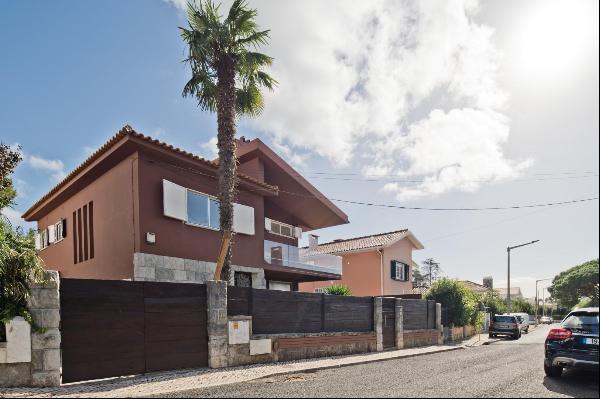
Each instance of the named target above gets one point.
<point>139,209</point>
<point>375,265</point>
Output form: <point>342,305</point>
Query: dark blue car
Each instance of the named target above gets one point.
<point>574,344</point>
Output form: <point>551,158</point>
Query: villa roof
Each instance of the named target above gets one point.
<point>374,241</point>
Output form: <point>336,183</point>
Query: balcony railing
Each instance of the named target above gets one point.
<point>288,255</point>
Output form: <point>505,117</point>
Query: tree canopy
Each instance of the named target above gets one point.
<point>571,286</point>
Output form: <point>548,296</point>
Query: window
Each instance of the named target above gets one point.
<point>242,279</point>
<point>202,210</point>
<point>282,229</point>
<point>60,230</point>
<point>400,271</point>
<point>44,239</point>
<point>280,286</point>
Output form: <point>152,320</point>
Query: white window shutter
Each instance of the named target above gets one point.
<point>51,234</point>
<point>174,201</point>
<point>38,241</point>
<point>298,232</point>
<point>243,219</point>
<point>267,224</point>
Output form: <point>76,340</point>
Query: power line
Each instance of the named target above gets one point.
<point>309,196</point>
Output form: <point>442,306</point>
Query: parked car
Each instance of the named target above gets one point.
<point>532,321</point>
<point>574,344</point>
<point>546,320</point>
<point>523,319</point>
<point>505,325</point>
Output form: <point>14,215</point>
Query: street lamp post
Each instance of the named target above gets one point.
<point>508,249</point>
<point>537,301</point>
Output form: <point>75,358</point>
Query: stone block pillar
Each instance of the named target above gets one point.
<point>216,303</point>
<point>44,305</point>
<point>378,322</point>
<point>399,324</point>
<point>438,323</point>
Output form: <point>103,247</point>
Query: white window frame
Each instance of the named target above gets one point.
<point>44,239</point>
<point>400,271</point>
<point>58,232</point>
<point>280,224</point>
<point>209,227</point>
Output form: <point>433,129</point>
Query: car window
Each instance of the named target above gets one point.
<point>585,321</point>
<point>504,319</point>
<point>520,318</point>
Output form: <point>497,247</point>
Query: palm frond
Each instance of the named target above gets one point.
<point>249,100</point>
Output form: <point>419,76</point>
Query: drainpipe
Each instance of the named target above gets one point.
<point>380,252</point>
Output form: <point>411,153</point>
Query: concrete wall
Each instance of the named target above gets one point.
<point>37,359</point>
<point>415,338</point>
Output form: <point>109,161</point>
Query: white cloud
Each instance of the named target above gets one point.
<point>459,149</point>
<point>358,81</point>
<point>209,149</point>
<point>53,167</point>
<point>14,217</point>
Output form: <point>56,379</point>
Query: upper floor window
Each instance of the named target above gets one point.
<point>202,210</point>
<point>400,271</point>
<point>198,209</point>
<point>282,229</point>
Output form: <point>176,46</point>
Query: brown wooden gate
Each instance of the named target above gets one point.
<point>389,322</point>
<point>116,328</point>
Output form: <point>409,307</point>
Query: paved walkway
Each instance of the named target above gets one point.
<point>170,382</point>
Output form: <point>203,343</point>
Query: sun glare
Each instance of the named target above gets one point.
<point>554,36</point>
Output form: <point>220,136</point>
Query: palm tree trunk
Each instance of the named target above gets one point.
<point>226,146</point>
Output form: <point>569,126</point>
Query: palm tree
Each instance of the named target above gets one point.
<point>227,78</point>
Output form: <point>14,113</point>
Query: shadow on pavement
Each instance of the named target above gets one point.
<point>575,383</point>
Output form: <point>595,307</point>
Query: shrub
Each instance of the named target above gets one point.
<point>20,267</point>
<point>459,304</point>
<point>494,302</point>
<point>338,289</point>
<point>519,305</point>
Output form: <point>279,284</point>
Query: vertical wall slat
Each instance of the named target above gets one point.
<point>91,224</point>
<point>85,233</point>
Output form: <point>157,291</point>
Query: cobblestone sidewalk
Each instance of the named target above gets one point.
<point>160,383</point>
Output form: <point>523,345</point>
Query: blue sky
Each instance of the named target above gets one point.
<point>483,104</point>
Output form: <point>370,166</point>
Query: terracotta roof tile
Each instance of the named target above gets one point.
<point>358,243</point>
<point>129,131</point>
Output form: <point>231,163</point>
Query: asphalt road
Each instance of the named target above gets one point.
<point>504,368</point>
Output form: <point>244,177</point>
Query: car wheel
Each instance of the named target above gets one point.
<point>553,371</point>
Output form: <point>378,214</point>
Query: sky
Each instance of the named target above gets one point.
<point>454,104</point>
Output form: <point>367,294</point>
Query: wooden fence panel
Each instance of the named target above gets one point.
<point>415,314</point>
<point>175,318</point>
<point>352,314</point>
<point>278,312</point>
<point>115,328</point>
<point>239,301</point>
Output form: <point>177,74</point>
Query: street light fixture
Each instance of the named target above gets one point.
<point>508,249</point>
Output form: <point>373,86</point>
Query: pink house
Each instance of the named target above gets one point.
<point>374,265</point>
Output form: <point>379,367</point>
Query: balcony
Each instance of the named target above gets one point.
<point>279,254</point>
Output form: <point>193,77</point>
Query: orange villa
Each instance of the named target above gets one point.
<point>379,264</point>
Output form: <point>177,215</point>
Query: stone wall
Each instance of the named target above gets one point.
<point>39,360</point>
<point>150,267</point>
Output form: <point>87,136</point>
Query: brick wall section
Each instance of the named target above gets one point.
<point>44,306</point>
<point>415,338</point>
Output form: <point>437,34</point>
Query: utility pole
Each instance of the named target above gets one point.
<point>508,249</point>
<point>537,301</point>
